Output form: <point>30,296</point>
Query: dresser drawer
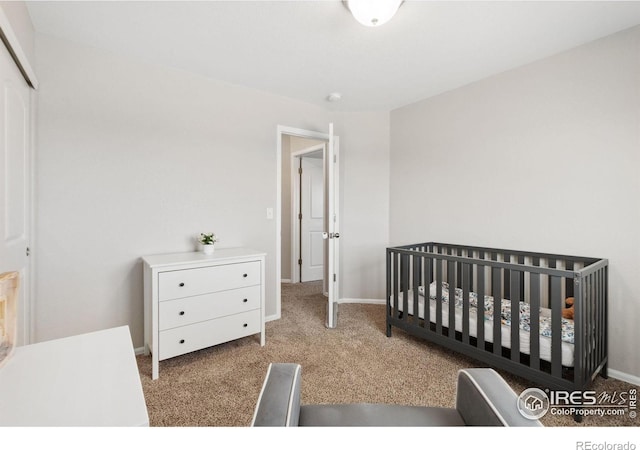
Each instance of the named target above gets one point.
<point>178,341</point>
<point>185,311</point>
<point>204,280</point>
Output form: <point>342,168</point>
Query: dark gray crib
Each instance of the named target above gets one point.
<point>525,285</point>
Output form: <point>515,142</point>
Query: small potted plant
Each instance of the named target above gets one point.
<point>207,240</point>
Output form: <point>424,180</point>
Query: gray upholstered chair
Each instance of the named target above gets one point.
<point>483,398</point>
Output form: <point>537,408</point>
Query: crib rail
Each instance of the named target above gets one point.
<point>538,280</point>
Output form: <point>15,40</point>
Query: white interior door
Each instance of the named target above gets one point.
<point>15,204</point>
<point>312,218</point>
<point>333,232</point>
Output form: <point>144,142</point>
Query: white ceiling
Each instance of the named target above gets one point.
<point>308,49</point>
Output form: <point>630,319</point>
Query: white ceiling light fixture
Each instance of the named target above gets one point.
<point>373,13</point>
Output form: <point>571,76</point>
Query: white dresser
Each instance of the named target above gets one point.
<point>193,301</point>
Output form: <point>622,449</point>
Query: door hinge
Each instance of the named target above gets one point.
<point>300,216</point>
<point>28,252</point>
<point>299,262</point>
<point>300,170</point>
<point>335,159</point>
<point>334,277</point>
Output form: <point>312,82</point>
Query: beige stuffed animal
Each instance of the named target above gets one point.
<point>567,312</point>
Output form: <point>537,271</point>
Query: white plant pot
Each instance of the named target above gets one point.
<point>208,249</point>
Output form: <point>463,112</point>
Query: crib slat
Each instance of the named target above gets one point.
<point>388,272</point>
<point>458,265</point>
<point>521,261</point>
<point>602,302</point>
<point>514,283</point>
<point>439,295</point>
<point>588,314</point>
<point>602,322</point>
<point>497,309</point>
<point>414,288</point>
<point>605,305</point>
<point>569,282</point>
<point>534,336</point>
<point>506,277</point>
<point>452,298</point>
<point>389,254</point>
<point>581,292</point>
<point>583,317</point>
<point>556,326</point>
<point>593,317</point>
<point>427,292</point>
<point>600,316</point>
<point>396,298</point>
<point>480,309</point>
<point>465,302</point>
<point>471,278</point>
<point>590,317</point>
<point>404,285</point>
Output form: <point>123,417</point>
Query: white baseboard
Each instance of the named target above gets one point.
<point>368,301</point>
<point>139,350</point>
<point>623,376</point>
<point>285,280</point>
<point>272,317</point>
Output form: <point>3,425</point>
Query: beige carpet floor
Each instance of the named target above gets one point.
<point>356,362</point>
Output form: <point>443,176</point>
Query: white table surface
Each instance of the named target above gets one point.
<point>86,380</point>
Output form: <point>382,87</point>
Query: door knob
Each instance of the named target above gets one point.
<point>337,235</point>
<point>325,235</point>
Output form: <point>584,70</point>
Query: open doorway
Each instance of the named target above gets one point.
<point>303,209</point>
<point>295,147</point>
<point>308,192</point>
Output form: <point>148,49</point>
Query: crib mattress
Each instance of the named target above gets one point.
<point>525,340</point>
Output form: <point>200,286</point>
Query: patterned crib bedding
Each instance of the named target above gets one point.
<point>505,311</point>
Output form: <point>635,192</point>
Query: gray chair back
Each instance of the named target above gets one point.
<point>279,401</point>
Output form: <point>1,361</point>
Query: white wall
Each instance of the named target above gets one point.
<point>364,203</point>
<point>134,159</point>
<point>542,158</point>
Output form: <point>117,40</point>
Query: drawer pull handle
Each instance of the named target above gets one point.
<point>181,313</point>
<point>182,341</point>
<point>181,285</point>
<point>244,275</point>
<point>244,300</point>
<point>245,325</point>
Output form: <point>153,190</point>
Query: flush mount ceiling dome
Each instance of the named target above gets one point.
<point>373,13</point>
